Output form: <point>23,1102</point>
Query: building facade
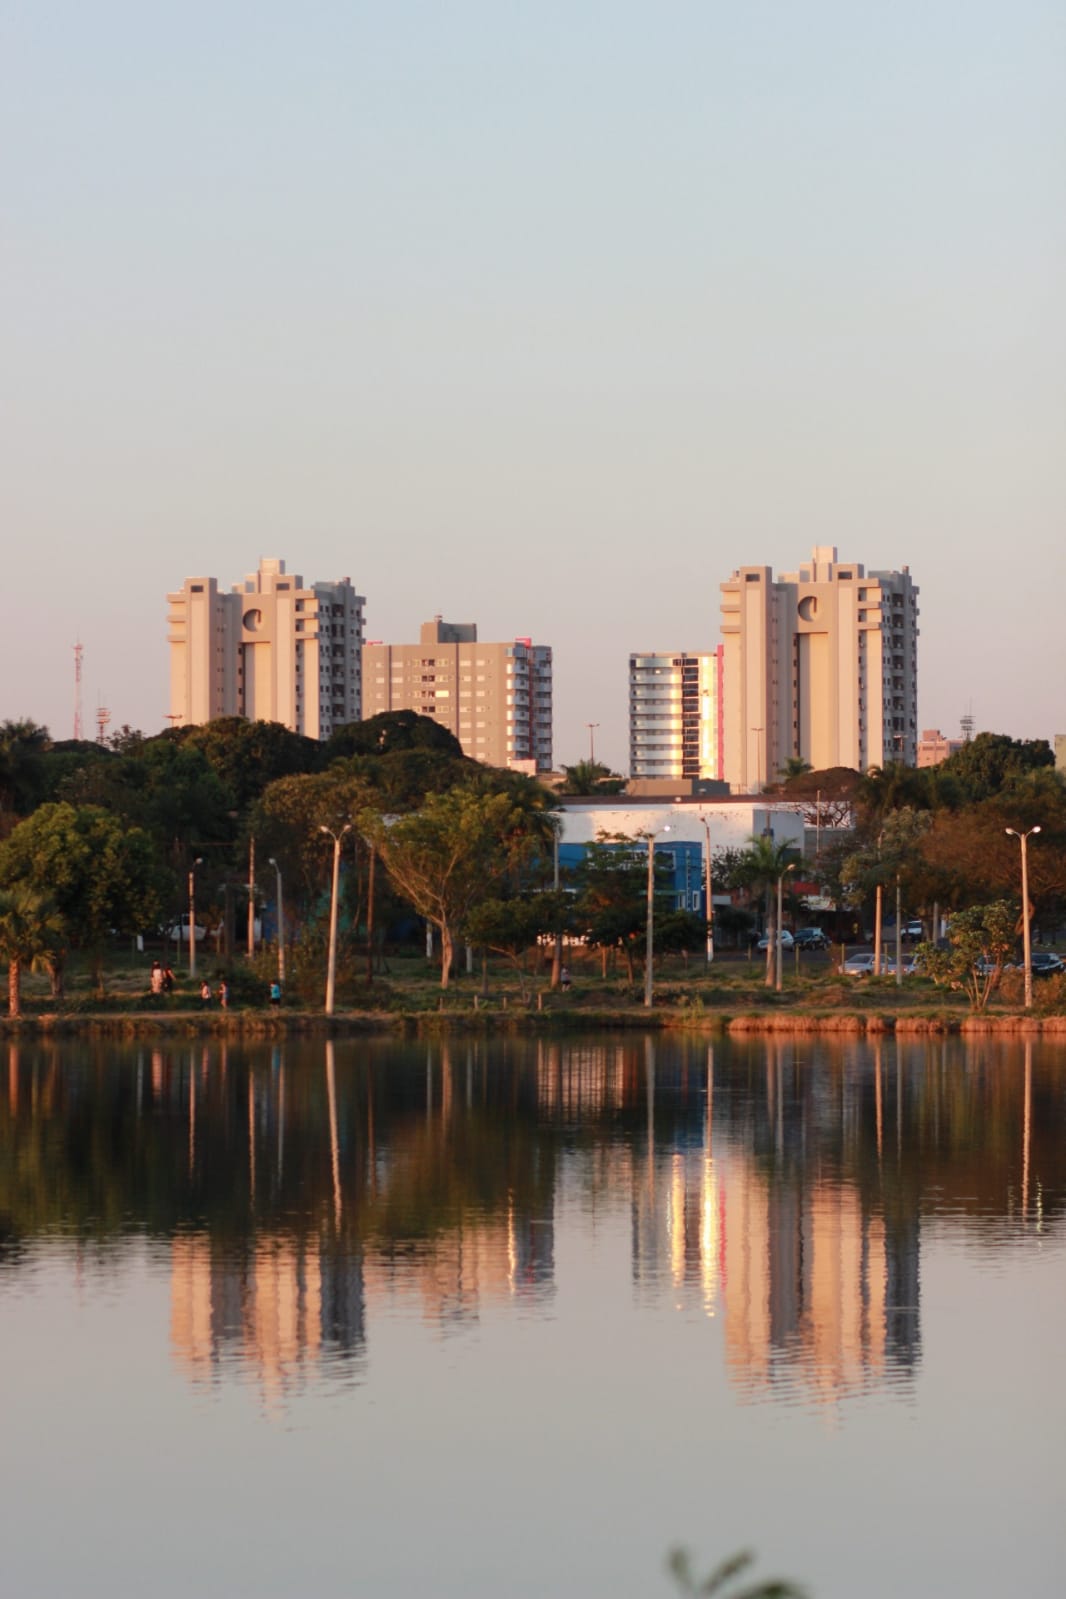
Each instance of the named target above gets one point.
<point>675,716</point>
<point>495,698</point>
<point>271,649</point>
<point>934,747</point>
<point>819,665</point>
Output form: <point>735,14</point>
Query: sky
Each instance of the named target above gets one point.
<point>543,316</point>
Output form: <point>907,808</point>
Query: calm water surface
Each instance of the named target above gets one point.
<point>516,1318</point>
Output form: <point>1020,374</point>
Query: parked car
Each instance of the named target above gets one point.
<point>910,965</point>
<point>811,938</point>
<point>1043,963</point>
<point>786,940</point>
<point>861,965</point>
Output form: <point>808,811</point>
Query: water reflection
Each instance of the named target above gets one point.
<point>307,1194</point>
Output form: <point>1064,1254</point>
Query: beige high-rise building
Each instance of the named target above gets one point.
<point>819,664</point>
<point>271,649</point>
<point>495,698</point>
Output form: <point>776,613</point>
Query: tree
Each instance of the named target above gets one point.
<point>457,849</point>
<point>993,763</point>
<point>590,778</point>
<point>22,747</point>
<point>980,940</point>
<point>390,732</point>
<point>510,926</point>
<point>611,908</point>
<point>825,798</point>
<point>30,931</point>
<point>763,863</point>
<point>102,876</point>
<point>247,756</point>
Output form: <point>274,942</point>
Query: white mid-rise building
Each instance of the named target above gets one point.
<point>675,715</point>
<point>820,665</point>
<point>271,649</point>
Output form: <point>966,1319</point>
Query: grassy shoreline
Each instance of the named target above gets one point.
<point>740,1021</point>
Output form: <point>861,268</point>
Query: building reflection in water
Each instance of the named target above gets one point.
<point>309,1192</point>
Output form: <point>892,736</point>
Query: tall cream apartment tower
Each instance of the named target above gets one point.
<point>271,650</point>
<point>495,698</point>
<point>675,715</point>
<point>821,664</point>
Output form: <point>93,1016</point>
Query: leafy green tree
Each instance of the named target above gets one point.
<point>511,926</point>
<point>102,876</point>
<point>246,756</point>
<point>391,732</point>
<point>30,932</point>
<point>979,939</point>
<point>456,850</point>
<point>611,907</point>
<point>23,745</point>
<point>993,763</point>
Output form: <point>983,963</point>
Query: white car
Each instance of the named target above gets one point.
<point>786,940</point>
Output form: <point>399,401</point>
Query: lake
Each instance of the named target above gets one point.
<point>518,1317</point>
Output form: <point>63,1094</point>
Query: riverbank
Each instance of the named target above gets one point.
<point>238,1025</point>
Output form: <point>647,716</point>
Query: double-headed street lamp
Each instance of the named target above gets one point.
<point>281,925</point>
<point>199,861</point>
<point>1027,955</point>
<point>331,969</point>
<point>649,935</point>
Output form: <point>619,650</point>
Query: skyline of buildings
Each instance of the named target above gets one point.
<point>819,665</point>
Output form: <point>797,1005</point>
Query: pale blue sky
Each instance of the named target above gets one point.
<point>543,316</point>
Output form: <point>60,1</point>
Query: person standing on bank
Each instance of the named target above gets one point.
<point>275,994</point>
<point>205,993</point>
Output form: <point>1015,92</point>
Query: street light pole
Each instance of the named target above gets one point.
<point>707,889</point>
<point>649,932</point>
<point>592,726</point>
<point>557,942</point>
<point>331,969</point>
<point>281,924</point>
<point>780,897</point>
<point>251,899</point>
<point>199,861</point>
<point>1027,956</point>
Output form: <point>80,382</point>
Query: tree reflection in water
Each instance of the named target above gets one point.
<point>303,1188</point>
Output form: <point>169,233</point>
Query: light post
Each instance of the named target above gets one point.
<point>331,969</point>
<point>557,942</point>
<point>1027,956</point>
<point>649,934</point>
<point>791,867</point>
<point>707,889</point>
<point>199,861</point>
<point>281,924</point>
<point>592,726</point>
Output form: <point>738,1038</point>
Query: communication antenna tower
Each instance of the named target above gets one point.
<point>78,653</point>
<point>103,716</point>
<point>966,724</point>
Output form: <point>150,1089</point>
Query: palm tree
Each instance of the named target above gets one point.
<point>590,777</point>
<point>762,863</point>
<point>31,930</point>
